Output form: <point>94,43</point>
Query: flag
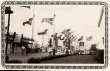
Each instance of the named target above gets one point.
<point>28,22</point>
<point>43,33</point>
<point>81,38</point>
<point>73,38</point>
<point>26,7</point>
<point>89,38</point>
<point>66,31</point>
<point>48,20</point>
<point>101,15</point>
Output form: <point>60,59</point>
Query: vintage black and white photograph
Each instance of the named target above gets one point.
<point>54,34</point>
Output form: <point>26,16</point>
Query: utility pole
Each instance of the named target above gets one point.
<point>8,11</point>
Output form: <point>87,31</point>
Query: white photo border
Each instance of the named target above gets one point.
<point>34,66</point>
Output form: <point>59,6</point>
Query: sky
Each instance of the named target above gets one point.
<point>81,19</point>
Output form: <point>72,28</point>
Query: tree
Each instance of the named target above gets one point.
<point>36,47</point>
<point>93,47</point>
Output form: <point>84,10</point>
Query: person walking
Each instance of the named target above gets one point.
<point>23,49</point>
<point>27,49</point>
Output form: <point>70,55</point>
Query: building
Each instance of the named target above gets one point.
<point>16,42</point>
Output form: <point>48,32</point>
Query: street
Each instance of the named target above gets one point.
<point>25,57</point>
<point>88,59</point>
<point>78,59</point>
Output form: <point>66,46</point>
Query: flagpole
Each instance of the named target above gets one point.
<point>33,24</point>
<point>43,40</point>
<point>54,27</point>
<point>48,33</point>
<point>54,32</point>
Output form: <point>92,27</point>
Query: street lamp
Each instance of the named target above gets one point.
<point>8,11</point>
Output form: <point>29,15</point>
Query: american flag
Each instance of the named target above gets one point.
<point>48,20</point>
